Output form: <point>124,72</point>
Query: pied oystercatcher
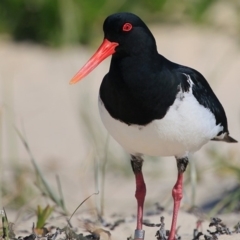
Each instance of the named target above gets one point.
<point>152,106</point>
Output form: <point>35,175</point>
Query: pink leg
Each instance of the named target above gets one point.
<point>177,196</point>
<point>139,194</point>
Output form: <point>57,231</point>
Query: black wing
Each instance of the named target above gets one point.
<point>205,96</point>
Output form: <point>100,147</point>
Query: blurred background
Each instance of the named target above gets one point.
<point>53,147</point>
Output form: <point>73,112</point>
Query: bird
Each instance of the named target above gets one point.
<point>151,105</point>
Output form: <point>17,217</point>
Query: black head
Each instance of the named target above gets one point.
<point>125,34</point>
<point>130,32</point>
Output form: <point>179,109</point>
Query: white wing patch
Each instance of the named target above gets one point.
<point>189,80</point>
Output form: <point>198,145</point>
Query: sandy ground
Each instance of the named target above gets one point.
<point>36,96</point>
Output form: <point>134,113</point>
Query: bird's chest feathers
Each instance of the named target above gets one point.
<point>136,97</point>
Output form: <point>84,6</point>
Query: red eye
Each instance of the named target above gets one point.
<point>127,27</point>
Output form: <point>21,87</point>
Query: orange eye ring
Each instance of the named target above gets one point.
<point>127,27</point>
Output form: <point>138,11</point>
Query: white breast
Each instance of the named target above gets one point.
<point>185,128</point>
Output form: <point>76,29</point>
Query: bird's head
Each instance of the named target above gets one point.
<point>124,34</point>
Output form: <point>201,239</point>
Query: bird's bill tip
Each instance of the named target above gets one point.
<point>106,49</point>
<point>75,79</point>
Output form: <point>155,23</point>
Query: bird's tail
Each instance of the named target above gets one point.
<point>225,138</point>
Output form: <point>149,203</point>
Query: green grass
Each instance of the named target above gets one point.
<point>42,215</point>
<point>56,23</point>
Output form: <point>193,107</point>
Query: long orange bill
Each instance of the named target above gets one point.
<point>106,49</point>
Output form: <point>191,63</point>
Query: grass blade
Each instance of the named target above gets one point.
<point>80,206</point>
<point>49,191</point>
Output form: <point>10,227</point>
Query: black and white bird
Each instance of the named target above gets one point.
<point>152,106</point>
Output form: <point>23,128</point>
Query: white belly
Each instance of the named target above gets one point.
<point>185,128</point>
